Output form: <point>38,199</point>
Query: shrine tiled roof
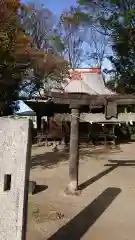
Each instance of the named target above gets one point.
<point>88,81</point>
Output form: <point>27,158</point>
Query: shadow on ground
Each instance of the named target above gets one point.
<point>122,163</point>
<point>51,159</point>
<point>82,222</point>
<point>40,188</point>
<point>112,164</point>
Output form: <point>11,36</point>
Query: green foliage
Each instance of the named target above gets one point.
<point>116,19</point>
<point>122,27</point>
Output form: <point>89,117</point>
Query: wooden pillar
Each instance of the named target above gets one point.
<point>74,150</point>
<point>105,133</point>
<point>114,134</point>
<point>38,123</point>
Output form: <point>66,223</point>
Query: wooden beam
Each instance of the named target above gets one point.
<point>84,99</point>
<point>98,117</point>
<point>84,96</point>
<point>126,101</point>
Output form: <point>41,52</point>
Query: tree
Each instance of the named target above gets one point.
<point>123,38</point>
<point>39,24</point>
<point>118,22</point>
<point>16,53</point>
<point>97,47</point>
<point>69,32</point>
<point>94,44</point>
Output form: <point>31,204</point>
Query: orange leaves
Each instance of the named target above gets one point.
<point>49,64</point>
<point>54,63</point>
<point>18,50</point>
<point>14,44</point>
<point>13,40</point>
<point>8,8</point>
<point>13,4</point>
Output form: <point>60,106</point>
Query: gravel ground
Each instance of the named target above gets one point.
<point>105,208</point>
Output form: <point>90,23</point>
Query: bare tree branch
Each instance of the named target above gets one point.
<point>72,40</point>
<point>97,47</point>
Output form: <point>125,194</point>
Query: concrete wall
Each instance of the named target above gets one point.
<point>15,149</point>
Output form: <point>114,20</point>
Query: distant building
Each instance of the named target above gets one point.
<point>85,80</point>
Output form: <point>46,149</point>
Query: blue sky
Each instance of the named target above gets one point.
<point>56,6</point>
<point>23,107</point>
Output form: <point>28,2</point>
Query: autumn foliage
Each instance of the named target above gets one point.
<point>15,52</point>
<point>18,54</point>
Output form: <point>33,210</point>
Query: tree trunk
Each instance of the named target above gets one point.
<point>74,151</point>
